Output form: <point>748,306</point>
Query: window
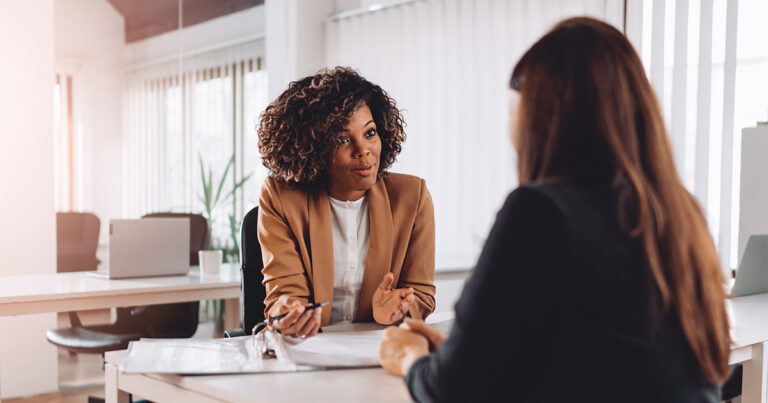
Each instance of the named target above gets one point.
<point>707,61</point>
<point>201,108</point>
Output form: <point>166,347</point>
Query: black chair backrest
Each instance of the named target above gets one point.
<point>251,262</point>
<point>199,237</point>
<point>77,237</point>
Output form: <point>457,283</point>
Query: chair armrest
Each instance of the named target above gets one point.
<point>234,332</point>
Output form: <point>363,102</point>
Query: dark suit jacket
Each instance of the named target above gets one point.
<point>560,308</point>
<point>297,243</point>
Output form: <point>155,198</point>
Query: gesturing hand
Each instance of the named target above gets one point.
<point>390,305</point>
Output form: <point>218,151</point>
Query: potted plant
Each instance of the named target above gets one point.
<point>212,200</point>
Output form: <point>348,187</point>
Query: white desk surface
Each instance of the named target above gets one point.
<point>749,319</point>
<point>62,292</point>
<point>353,385</point>
<point>748,315</point>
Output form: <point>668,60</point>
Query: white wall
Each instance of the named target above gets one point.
<point>89,45</point>
<point>294,42</point>
<point>27,239</point>
<point>447,64</point>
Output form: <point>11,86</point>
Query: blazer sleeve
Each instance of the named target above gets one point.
<point>418,270</point>
<point>283,270</point>
<point>505,307</point>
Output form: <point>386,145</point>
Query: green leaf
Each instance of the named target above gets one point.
<point>209,189</point>
<point>202,176</point>
<point>223,179</point>
<point>233,235</point>
<point>238,185</point>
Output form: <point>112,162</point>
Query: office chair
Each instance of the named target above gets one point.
<point>732,386</point>
<point>132,323</point>
<point>77,237</point>
<point>251,277</point>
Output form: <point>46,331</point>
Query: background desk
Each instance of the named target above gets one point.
<point>64,292</point>
<point>749,334</point>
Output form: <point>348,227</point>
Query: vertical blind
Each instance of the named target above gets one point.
<point>201,106</point>
<point>707,61</point>
<point>447,64</point>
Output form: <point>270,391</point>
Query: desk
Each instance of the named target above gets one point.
<point>749,334</point>
<point>749,331</point>
<point>354,385</point>
<point>64,292</point>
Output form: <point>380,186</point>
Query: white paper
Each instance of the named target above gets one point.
<point>335,349</point>
<point>338,350</point>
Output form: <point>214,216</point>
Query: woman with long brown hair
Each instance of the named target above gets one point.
<point>599,280</point>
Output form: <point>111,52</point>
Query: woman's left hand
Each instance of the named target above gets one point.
<point>400,348</point>
<point>390,305</point>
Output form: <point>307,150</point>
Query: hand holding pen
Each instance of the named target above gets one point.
<point>296,319</point>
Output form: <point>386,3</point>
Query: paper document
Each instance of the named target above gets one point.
<point>342,349</point>
<point>352,349</point>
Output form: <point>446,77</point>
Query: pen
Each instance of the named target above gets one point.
<point>306,308</point>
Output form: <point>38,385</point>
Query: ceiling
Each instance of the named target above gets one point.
<point>147,18</point>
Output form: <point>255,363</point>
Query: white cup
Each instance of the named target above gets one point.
<point>210,262</point>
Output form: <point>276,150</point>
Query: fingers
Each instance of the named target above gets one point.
<point>397,305</point>
<point>318,322</point>
<point>312,325</point>
<point>405,292</point>
<point>434,336</point>
<point>301,321</point>
<point>290,319</point>
<point>400,348</point>
<point>406,303</point>
<point>386,282</point>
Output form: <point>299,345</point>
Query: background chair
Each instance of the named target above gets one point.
<point>157,321</point>
<point>77,238</point>
<point>251,277</point>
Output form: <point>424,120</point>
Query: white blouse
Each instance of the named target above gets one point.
<point>351,238</point>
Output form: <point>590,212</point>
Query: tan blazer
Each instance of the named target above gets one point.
<point>297,243</point>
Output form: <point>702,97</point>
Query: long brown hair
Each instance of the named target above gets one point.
<point>588,117</point>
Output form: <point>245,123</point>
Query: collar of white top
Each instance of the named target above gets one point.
<point>348,203</point>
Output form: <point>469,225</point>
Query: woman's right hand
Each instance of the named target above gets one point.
<point>297,323</point>
<point>435,337</point>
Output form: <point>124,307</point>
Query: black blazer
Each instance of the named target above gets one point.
<point>560,308</point>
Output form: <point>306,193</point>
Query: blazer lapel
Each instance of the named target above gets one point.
<point>379,259</point>
<point>321,246</point>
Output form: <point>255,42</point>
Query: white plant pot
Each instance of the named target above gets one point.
<point>210,262</point>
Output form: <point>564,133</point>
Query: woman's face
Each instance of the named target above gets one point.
<point>354,167</point>
<point>512,126</point>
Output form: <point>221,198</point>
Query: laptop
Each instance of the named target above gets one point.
<point>147,247</point>
<point>752,274</point>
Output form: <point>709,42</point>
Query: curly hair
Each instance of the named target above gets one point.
<point>298,132</point>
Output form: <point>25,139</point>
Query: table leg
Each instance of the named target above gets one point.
<point>111,392</point>
<point>231,313</point>
<point>754,384</point>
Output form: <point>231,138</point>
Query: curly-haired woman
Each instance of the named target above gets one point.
<point>333,224</point>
